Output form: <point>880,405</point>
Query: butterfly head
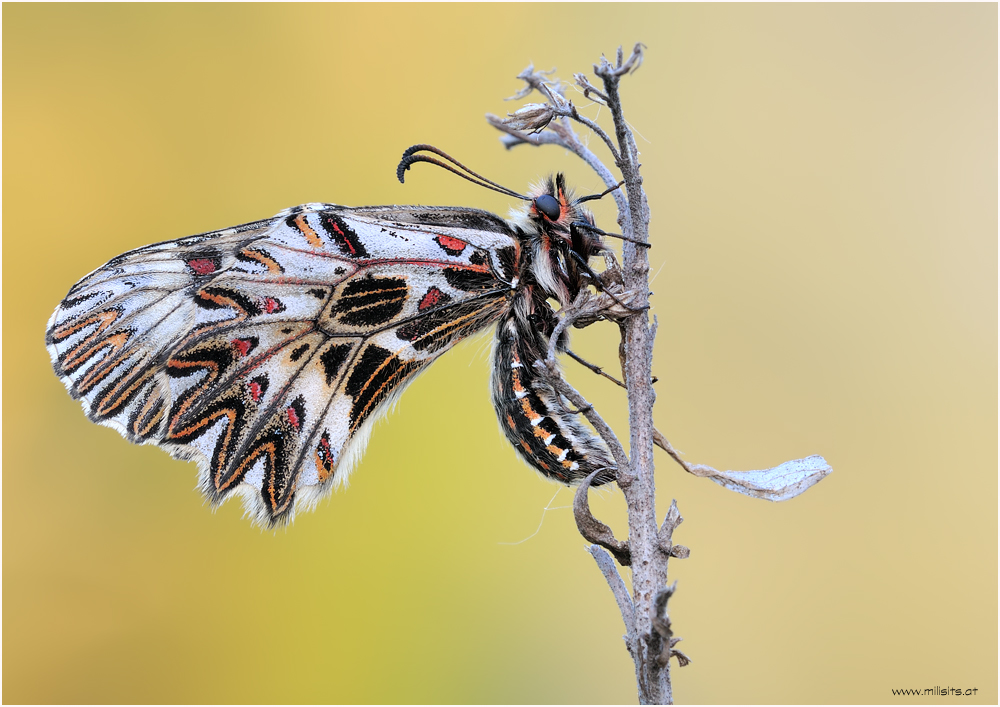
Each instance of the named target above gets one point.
<point>552,204</point>
<point>553,209</point>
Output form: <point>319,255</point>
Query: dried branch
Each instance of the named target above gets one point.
<point>624,298</point>
<point>559,105</point>
<point>635,474</point>
<point>620,591</point>
<point>648,560</point>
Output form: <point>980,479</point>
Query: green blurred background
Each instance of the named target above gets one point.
<point>823,183</point>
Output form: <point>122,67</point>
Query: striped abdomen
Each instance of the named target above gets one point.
<point>535,419</point>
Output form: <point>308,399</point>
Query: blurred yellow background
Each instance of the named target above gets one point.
<point>823,183</point>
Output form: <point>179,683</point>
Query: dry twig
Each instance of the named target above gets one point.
<point>624,299</point>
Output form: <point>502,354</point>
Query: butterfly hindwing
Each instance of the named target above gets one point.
<point>265,352</point>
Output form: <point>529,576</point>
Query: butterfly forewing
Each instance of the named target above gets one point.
<point>265,352</point>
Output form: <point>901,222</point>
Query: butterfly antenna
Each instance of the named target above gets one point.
<point>604,193</point>
<point>592,197</point>
<point>411,156</point>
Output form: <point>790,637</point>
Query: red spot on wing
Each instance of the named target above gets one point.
<point>452,246</point>
<point>202,266</point>
<point>433,298</point>
<point>255,391</point>
<point>242,345</point>
<point>293,417</point>
<point>271,305</point>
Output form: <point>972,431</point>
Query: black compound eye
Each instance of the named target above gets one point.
<point>548,205</point>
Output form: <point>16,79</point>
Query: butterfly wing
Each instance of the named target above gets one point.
<point>265,352</point>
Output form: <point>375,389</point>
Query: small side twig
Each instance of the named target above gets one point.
<point>589,90</point>
<point>619,590</point>
<point>594,530</point>
<point>663,628</point>
<point>670,523</point>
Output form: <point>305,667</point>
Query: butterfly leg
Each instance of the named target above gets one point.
<point>595,277</point>
<point>584,226</point>
<point>596,369</point>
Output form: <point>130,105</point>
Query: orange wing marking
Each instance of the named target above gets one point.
<point>311,236</point>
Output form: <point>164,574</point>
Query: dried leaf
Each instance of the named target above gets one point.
<point>780,483</point>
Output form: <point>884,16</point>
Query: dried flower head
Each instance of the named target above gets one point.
<point>532,118</point>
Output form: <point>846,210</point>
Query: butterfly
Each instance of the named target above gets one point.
<point>265,352</point>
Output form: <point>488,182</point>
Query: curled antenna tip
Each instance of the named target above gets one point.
<point>407,160</point>
<point>410,156</point>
